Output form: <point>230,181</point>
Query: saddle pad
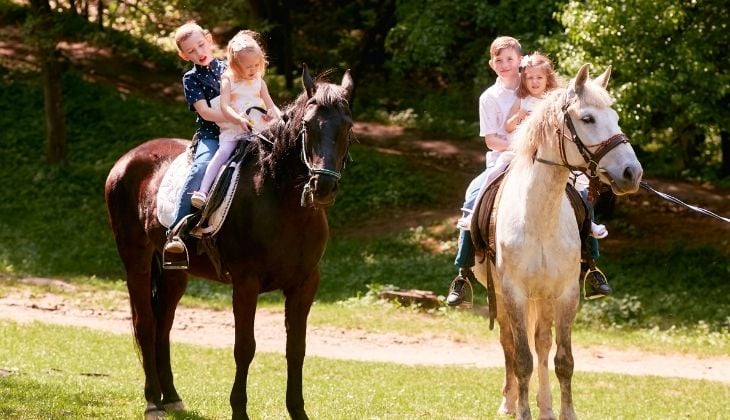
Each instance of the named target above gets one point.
<point>220,198</point>
<point>171,188</point>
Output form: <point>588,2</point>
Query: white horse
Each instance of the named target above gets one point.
<point>537,246</point>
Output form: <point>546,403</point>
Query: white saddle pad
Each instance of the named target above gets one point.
<point>171,188</point>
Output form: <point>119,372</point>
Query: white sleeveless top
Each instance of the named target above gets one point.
<point>244,95</point>
<point>529,103</point>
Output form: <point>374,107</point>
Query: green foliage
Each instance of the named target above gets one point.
<point>670,81</point>
<point>376,182</point>
<point>102,126</point>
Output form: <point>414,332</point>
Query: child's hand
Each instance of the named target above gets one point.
<point>522,114</point>
<point>245,124</point>
<point>270,115</point>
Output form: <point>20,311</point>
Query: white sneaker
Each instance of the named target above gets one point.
<point>598,231</point>
<point>198,199</point>
<point>175,245</point>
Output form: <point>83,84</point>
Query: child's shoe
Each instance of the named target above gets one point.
<point>198,199</point>
<point>598,231</point>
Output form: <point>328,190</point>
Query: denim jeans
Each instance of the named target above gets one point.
<point>592,242</point>
<point>465,252</point>
<point>204,151</point>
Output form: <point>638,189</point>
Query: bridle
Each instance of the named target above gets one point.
<point>307,192</point>
<point>591,159</point>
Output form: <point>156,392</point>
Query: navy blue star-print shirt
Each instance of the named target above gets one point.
<point>204,82</point>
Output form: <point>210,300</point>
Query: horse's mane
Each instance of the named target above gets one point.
<point>285,133</point>
<point>548,117</point>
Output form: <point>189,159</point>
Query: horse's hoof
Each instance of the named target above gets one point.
<point>505,411</point>
<point>153,412</point>
<point>174,406</point>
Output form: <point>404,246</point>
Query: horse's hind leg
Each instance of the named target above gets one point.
<point>152,320</point>
<point>168,293</point>
<point>297,305</point>
<point>543,342</point>
<point>565,310</point>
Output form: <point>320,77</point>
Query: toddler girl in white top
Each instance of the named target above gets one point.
<point>537,78</point>
<point>242,90</point>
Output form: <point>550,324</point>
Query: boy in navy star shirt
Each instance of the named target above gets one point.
<point>200,84</point>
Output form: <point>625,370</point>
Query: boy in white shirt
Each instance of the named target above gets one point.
<point>495,102</point>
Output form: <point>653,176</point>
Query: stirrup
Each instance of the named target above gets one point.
<point>176,261</point>
<point>585,279</point>
<point>467,292</point>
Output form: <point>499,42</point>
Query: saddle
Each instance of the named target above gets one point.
<point>205,223</point>
<point>483,230</point>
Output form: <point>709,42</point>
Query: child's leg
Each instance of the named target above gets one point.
<point>220,158</point>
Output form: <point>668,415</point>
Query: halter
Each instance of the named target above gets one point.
<point>591,159</point>
<point>307,193</point>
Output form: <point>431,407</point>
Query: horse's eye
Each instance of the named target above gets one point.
<point>588,119</point>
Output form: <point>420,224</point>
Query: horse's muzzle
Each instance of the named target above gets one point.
<point>320,191</point>
<point>626,180</point>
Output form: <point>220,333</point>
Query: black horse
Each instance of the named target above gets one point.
<point>273,238</point>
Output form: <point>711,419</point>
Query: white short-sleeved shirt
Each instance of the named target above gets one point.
<point>494,106</point>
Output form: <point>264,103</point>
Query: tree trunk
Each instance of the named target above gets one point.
<point>49,59</point>
<point>100,15</point>
<point>56,144</point>
<point>725,154</point>
<point>276,14</point>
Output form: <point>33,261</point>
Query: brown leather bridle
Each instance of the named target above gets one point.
<point>591,159</point>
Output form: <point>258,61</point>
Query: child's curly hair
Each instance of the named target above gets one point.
<point>540,62</point>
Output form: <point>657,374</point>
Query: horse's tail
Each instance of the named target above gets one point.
<point>155,281</point>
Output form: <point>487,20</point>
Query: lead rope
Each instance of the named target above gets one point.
<point>675,200</point>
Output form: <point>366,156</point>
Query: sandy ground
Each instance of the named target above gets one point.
<point>217,328</point>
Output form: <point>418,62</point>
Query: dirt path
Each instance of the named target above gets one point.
<point>217,328</point>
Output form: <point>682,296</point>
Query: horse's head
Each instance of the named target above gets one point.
<point>601,149</point>
<point>326,125</point>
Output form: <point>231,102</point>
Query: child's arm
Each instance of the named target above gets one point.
<point>496,143</point>
<point>208,113</point>
<point>516,115</point>
<point>226,108</point>
<point>271,109</point>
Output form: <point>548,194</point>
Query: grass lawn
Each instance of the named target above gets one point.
<point>63,372</point>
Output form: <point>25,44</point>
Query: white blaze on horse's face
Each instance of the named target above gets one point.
<point>595,122</point>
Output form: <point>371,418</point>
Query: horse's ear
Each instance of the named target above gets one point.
<point>580,79</point>
<point>347,84</point>
<point>307,80</point>
<point>603,79</point>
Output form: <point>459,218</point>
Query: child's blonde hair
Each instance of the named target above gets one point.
<point>541,63</point>
<point>501,43</point>
<point>244,42</point>
<point>186,30</point>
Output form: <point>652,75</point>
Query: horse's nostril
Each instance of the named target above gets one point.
<point>629,173</point>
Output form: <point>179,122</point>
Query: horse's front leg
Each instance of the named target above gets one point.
<point>245,295</point>
<point>297,305</point>
<point>516,306</point>
<point>543,342</point>
<point>566,308</point>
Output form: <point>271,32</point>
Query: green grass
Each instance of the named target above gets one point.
<point>63,372</point>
